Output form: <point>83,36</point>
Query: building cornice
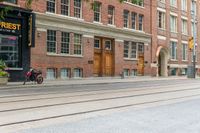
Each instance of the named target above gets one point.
<point>60,22</point>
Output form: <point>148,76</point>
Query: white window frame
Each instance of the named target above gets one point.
<point>184,24</point>
<point>184,51</point>
<point>173,45</point>
<point>161,20</point>
<point>173,23</point>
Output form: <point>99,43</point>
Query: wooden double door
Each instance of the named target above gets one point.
<point>141,64</point>
<point>103,57</point>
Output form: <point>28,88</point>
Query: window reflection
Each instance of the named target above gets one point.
<point>9,50</point>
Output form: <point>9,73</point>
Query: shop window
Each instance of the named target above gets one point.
<point>9,50</point>
<point>77,73</point>
<point>126,72</point>
<point>65,73</point>
<point>51,73</point>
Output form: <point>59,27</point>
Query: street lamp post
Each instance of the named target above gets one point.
<point>194,38</point>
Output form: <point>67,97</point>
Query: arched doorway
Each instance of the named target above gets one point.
<point>163,56</point>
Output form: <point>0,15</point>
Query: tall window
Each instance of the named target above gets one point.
<point>111,15</point>
<point>141,22</point>
<point>184,52</point>
<point>193,28</point>
<point>173,3</point>
<point>161,20</point>
<point>51,41</point>
<point>77,44</point>
<point>130,50</point>
<point>65,43</point>
<point>51,6</point>
<point>133,22</point>
<point>194,5</point>
<point>184,26</point>
<point>77,8</point>
<point>173,50</point>
<point>97,43</point>
<point>184,5</point>
<point>173,23</point>
<point>65,7</point>
<point>97,11</point>
<point>126,18</point>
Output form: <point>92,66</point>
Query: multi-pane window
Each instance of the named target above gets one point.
<point>126,18</point>
<point>130,50</point>
<point>141,47</point>
<point>51,6</point>
<point>77,8</point>
<point>133,22</point>
<point>51,41</point>
<point>141,22</point>
<point>161,20</point>
<point>12,1</point>
<point>133,50</point>
<point>184,26</point>
<point>134,72</point>
<point>110,15</point>
<point>77,44</point>
<point>173,50</point>
<point>173,3</point>
<point>173,23</point>
<point>64,73</point>
<point>97,43</point>
<point>65,39</point>
<point>65,7</point>
<point>126,49</point>
<point>97,11</point>
<point>184,5</point>
<point>77,73</point>
<point>184,52</point>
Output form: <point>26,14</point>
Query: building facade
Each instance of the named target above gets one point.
<point>75,38</point>
<point>15,40</point>
<point>172,26</point>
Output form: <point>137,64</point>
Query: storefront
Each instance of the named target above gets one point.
<point>16,39</point>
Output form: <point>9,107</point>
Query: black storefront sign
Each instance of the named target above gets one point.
<point>16,41</point>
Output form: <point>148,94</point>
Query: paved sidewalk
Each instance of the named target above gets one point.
<point>86,81</point>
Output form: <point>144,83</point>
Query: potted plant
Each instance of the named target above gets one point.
<point>3,73</point>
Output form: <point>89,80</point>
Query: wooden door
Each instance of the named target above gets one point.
<point>141,65</point>
<point>108,64</point>
<point>97,64</point>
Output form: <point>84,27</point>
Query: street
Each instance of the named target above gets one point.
<point>137,107</point>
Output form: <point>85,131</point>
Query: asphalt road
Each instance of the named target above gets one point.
<point>144,106</point>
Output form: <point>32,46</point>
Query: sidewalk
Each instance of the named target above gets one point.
<point>88,81</point>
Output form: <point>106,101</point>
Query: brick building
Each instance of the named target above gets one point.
<point>75,38</point>
<point>172,25</point>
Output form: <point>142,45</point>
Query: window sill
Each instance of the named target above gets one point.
<point>10,4</point>
<point>14,69</point>
<point>173,60</point>
<point>64,55</point>
<point>95,22</point>
<point>111,25</point>
<point>129,59</point>
<point>134,4</point>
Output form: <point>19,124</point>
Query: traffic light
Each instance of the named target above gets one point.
<point>191,43</point>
